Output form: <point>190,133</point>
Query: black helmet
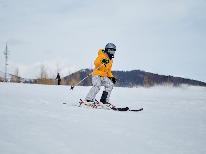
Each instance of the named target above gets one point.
<point>110,49</point>
<point>110,46</point>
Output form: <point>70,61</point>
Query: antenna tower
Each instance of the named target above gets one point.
<point>6,52</point>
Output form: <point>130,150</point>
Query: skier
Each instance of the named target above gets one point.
<point>102,75</point>
<point>58,78</point>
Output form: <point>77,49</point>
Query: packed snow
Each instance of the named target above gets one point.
<point>34,119</point>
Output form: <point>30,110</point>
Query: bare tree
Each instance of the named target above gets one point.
<point>16,72</point>
<point>43,72</point>
<point>15,77</point>
<point>58,69</point>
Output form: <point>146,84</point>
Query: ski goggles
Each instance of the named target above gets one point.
<point>111,51</point>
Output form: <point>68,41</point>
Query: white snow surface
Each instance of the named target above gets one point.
<point>34,120</point>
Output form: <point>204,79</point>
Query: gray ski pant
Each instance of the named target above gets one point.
<point>97,82</point>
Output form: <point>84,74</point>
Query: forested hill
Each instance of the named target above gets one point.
<point>133,78</point>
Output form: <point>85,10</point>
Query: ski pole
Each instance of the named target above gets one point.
<point>72,87</point>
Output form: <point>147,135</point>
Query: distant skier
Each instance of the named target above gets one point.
<point>102,75</point>
<point>58,78</point>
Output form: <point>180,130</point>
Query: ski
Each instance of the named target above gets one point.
<point>136,110</point>
<point>98,105</point>
<point>94,105</point>
<point>122,109</point>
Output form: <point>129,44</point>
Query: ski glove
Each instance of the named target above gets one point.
<point>113,79</point>
<point>105,61</point>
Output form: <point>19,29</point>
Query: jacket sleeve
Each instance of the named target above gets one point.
<point>109,74</point>
<point>97,61</point>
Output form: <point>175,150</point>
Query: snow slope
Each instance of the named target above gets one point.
<point>33,120</point>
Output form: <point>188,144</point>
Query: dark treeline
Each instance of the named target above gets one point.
<point>133,78</point>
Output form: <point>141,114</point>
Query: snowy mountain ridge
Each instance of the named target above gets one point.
<point>134,78</point>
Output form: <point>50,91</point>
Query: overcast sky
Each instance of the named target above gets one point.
<point>159,36</point>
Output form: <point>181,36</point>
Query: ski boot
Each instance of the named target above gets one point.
<point>87,103</point>
<point>105,104</point>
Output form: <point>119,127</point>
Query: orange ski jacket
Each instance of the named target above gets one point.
<point>101,69</point>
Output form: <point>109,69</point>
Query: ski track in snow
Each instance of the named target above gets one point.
<point>34,120</point>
